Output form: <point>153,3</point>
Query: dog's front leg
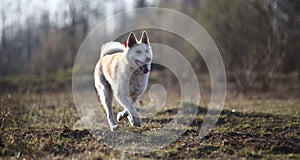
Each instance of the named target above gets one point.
<point>126,102</point>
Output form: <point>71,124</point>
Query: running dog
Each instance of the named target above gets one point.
<point>122,72</point>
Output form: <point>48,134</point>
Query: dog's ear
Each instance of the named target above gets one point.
<point>145,38</point>
<point>131,40</point>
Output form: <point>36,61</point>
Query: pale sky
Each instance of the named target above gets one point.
<point>35,7</point>
<point>26,8</point>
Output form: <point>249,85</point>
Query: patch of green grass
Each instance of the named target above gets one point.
<point>271,105</point>
<point>57,81</point>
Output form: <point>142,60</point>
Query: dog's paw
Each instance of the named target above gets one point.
<point>122,115</point>
<point>114,128</point>
<point>135,121</point>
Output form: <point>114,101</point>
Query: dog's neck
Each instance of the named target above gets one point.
<point>126,65</point>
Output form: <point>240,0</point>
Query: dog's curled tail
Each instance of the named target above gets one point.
<point>111,48</point>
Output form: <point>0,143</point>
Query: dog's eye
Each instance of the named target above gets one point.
<point>146,51</point>
<point>138,51</point>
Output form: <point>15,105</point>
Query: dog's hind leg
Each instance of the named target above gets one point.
<point>105,95</point>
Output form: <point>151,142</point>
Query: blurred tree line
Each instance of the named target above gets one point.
<point>258,39</point>
<point>42,44</point>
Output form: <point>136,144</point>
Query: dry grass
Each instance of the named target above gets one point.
<point>41,126</point>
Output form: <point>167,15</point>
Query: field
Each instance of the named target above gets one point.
<point>37,124</point>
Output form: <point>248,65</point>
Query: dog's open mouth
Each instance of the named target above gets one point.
<point>142,66</point>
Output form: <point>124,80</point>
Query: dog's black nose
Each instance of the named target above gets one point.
<point>148,59</point>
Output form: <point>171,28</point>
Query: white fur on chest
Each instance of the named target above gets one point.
<point>138,83</point>
<point>127,81</point>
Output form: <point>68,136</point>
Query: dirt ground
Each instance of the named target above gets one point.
<point>37,127</point>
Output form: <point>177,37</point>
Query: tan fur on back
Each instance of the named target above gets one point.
<point>109,64</point>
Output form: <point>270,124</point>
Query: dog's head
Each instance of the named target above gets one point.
<point>139,53</point>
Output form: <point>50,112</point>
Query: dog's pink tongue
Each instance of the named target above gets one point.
<point>144,69</point>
